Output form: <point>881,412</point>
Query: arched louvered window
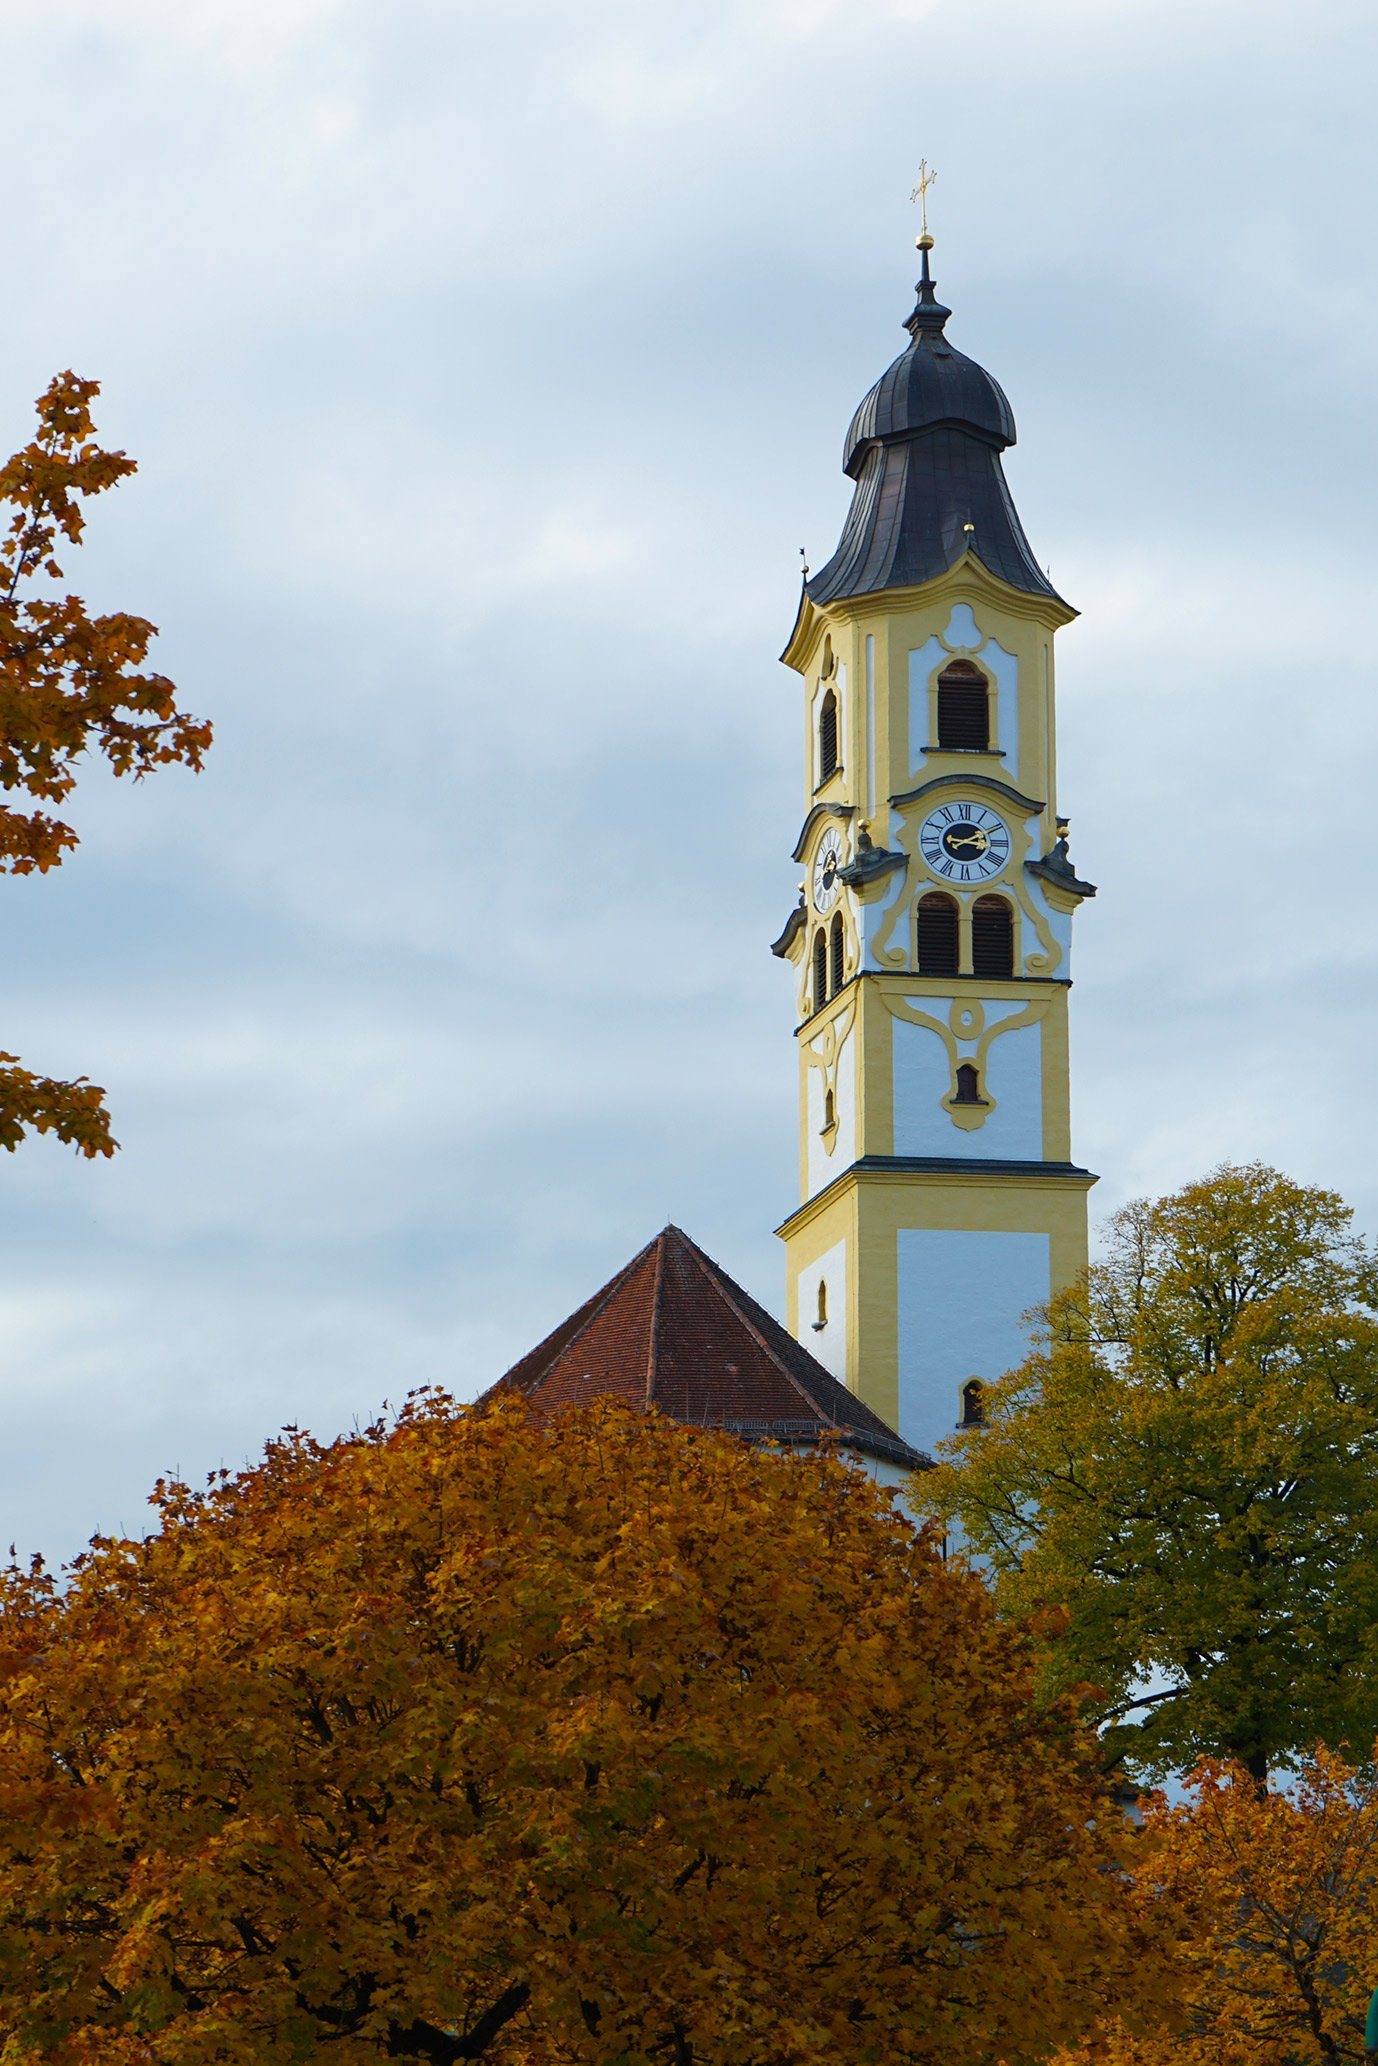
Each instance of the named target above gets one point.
<point>836,955</point>
<point>968,1085</point>
<point>820,968</point>
<point>827,737</point>
<point>992,937</point>
<point>963,708</point>
<point>829,1110</point>
<point>937,935</point>
<point>973,1403</point>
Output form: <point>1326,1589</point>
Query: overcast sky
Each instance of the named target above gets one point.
<point>487,363</point>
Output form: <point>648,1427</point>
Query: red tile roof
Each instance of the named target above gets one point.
<point>673,1331</point>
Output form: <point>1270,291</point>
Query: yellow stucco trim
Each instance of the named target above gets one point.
<point>968,580</point>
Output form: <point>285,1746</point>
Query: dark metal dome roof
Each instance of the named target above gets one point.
<point>929,384</point>
<point>924,450</point>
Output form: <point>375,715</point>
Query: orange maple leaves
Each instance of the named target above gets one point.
<point>70,683</point>
<point>613,1741</point>
<point>1275,1895</point>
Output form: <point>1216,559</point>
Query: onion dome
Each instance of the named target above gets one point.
<point>924,450</point>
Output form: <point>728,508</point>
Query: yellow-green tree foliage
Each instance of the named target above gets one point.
<point>70,684</point>
<point>1276,1896</point>
<point>1189,1466</point>
<point>611,1742</point>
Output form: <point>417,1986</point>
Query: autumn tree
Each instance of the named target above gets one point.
<point>1276,1903</point>
<point>70,685</point>
<point>1188,1465</point>
<point>617,1741</point>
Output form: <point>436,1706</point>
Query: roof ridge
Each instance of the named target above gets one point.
<point>596,1305</point>
<point>653,1332</point>
<point>717,1278</point>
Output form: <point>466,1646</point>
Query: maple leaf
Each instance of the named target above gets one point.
<point>70,684</point>
<point>610,1740</point>
<point>1275,1894</point>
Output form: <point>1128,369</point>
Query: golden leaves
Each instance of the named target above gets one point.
<point>1276,1898</point>
<point>617,1741</point>
<point>74,1111</point>
<point>70,683</point>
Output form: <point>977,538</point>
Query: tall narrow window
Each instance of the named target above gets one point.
<point>963,708</point>
<point>827,737</point>
<point>822,1319</point>
<point>937,935</point>
<point>836,954</point>
<point>820,969</point>
<point>968,1085</point>
<point>973,1403</point>
<point>829,1110</point>
<point>992,937</point>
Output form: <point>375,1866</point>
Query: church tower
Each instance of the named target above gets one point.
<point>932,940</point>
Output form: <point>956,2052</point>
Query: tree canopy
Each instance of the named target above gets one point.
<point>1275,1895</point>
<point>1188,1465</point>
<point>70,684</point>
<point>610,1741</point>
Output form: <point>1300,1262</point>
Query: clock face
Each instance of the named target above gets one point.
<point>964,842</point>
<point>825,867</point>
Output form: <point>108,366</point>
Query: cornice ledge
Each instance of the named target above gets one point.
<point>871,866</point>
<point>820,810</point>
<point>808,620</point>
<point>794,925</point>
<point>968,575</point>
<point>1028,804</point>
<point>1061,880</point>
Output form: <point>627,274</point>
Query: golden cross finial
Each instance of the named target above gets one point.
<point>920,193</point>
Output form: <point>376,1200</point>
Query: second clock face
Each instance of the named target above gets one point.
<point>825,867</point>
<point>964,841</point>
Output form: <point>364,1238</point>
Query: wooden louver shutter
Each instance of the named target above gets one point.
<point>992,938</point>
<point>827,737</point>
<point>963,708</point>
<point>968,1085</point>
<point>937,935</point>
<point>838,955</point>
<point>820,969</point>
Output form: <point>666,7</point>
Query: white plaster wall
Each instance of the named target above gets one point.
<point>1014,1079</point>
<point>828,1344</point>
<point>922,1080</point>
<point>1003,669</point>
<point>1060,925</point>
<point>962,1297</point>
<point>1013,1130</point>
<point>871,916</point>
<point>825,1164</point>
<point>963,634</point>
<point>922,661</point>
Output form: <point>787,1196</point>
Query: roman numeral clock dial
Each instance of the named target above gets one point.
<point>825,867</point>
<point>964,842</point>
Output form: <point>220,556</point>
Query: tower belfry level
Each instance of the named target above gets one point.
<point>932,940</point>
